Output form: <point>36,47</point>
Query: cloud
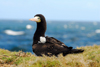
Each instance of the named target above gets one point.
<point>10,3</point>
<point>92,5</point>
<point>6,3</point>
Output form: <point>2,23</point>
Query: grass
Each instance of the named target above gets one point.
<point>89,58</point>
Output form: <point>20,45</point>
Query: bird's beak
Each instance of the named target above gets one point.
<point>33,19</point>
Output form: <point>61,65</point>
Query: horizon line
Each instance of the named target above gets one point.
<point>50,20</point>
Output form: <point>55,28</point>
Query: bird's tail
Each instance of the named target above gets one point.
<point>76,51</point>
<point>73,51</point>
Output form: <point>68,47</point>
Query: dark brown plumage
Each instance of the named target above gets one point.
<point>52,46</point>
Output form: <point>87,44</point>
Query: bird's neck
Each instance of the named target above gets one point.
<point>40,31</point>
<point>41,28</point>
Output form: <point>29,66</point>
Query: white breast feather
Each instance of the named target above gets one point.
<point>42,39</point>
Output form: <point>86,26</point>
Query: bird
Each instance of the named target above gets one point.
<point>45,45</point>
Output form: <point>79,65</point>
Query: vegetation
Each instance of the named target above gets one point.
<point>89,58</point>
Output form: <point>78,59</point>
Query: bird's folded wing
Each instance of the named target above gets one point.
<point>55,41</point>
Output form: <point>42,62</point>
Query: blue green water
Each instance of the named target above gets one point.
<point>14,35</point>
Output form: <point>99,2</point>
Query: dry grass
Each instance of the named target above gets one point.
<point>89,58</point>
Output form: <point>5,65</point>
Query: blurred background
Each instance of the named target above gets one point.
<point>74,22</point>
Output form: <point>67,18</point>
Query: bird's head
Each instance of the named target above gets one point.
<point>38,18</point>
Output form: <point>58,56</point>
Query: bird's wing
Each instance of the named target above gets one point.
<point>55,41</point>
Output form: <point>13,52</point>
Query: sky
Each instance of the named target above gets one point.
<point>67,10</point>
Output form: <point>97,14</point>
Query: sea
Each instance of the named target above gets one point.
<point>17,35</point>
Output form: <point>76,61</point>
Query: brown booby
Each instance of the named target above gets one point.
<point>48,45</point>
